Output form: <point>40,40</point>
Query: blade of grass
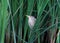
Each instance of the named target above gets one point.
<point>4,19</point>
<point>14,34</point>
<point>58,38</point>
<point>20,21</point>
<point>40,10</point>
<point>53,15</point>
<point>58,1</point>
<point>30,8</point>
<point>50,27</point>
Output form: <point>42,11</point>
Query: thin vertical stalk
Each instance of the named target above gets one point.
<point>3,22</point>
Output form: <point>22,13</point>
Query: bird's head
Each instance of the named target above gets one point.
<point>31,21</point>
<point>30,17</point>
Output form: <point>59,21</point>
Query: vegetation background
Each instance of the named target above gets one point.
<point>14,24</point>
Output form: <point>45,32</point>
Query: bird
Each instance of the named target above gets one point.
<point>31,21</point>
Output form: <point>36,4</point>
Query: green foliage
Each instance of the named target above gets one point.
<point>14,23</point>
<point>3,19</point>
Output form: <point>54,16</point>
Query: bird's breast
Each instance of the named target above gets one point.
<point>31,23</point>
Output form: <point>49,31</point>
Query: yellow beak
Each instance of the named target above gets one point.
<point>27,16</point>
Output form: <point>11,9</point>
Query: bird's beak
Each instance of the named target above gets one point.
<point>27,16</point>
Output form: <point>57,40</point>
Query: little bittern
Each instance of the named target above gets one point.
<point>31,21</point>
